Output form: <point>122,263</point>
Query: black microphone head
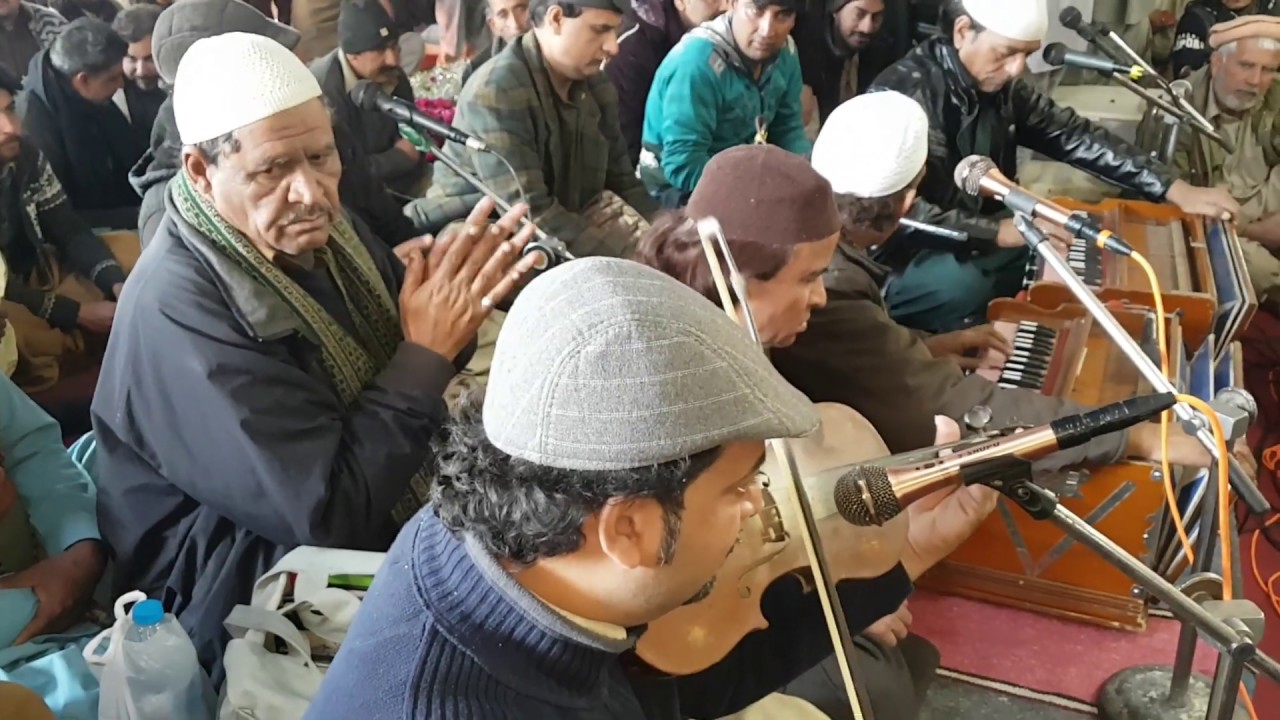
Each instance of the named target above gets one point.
<point>1070,18</point>
<point>970,171</point>
<point>864,496</point>
<point>1056,53</point>
<point>365,95</point>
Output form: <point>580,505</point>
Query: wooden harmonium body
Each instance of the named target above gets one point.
<point>1197,260</point>
<point>1029,564</point>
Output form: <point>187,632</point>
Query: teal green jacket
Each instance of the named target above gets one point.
<point>704,100</point>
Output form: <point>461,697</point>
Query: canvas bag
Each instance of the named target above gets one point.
<point>264,684</point>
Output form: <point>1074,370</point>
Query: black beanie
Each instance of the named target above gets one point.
<point>364,25</point>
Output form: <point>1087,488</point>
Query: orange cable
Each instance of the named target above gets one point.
<point>1165,417</point>
<point>1224,467</point>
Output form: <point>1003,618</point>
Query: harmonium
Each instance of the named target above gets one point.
<point>1060,351</point>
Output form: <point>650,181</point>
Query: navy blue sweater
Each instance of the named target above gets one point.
<point>445,633</point>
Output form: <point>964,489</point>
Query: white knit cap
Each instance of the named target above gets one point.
<point>873,145</point>
<point>226,82</point>
<point>1023,20</point>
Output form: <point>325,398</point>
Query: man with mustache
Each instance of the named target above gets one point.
<point>369,49</point>
<point>544,105</point>
<point>60,304</point>
<point>1236,92</point>
<point>141,97</point>
<point>599,483</point>
<point>968,80</point>
<point>181,25</point>
<point>642,49</point>
<point>506,20</point>
<point>733,81</point>
<point>277,373</point>
<point>1191,45</point>
<point>844,44</point>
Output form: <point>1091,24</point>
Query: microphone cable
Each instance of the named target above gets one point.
<point>1224,468</point>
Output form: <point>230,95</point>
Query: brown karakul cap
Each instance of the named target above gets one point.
<point>1242,28</point>
<point>767,195</point>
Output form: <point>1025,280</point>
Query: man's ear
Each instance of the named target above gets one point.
<point>197,166</point>
<point>554,19</point>
<point>962,31</point>
<point>908,201</point>
<point>80,82</point>
<point>631,532</point>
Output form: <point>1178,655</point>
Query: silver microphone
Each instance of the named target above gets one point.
<point>979,176</point>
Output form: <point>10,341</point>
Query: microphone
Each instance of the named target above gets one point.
<point>873,494</point>
<point>979,176</point>
<point>929,229</point>
<point>368,96</point>
<point>1057,54</point>
<point>1091,33</point>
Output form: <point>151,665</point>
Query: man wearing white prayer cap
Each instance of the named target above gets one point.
<point>968,83</point>
<point>873,150</point>
<point>276,373</point>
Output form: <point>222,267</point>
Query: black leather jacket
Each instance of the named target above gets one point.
<point>964,121</point>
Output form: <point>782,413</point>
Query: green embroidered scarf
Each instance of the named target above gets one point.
<point>351,363</point>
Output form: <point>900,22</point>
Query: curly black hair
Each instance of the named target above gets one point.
<point>522,512</point>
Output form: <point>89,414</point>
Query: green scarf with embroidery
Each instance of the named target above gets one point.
<point>351,363</point>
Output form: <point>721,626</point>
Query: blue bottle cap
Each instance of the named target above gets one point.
<point>147,612</point>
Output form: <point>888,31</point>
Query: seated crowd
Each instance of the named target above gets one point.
<point>331,341</point>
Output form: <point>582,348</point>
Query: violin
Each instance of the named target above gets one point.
<point>694,637</point>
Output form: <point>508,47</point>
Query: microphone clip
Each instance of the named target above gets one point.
<point>1011,476</point>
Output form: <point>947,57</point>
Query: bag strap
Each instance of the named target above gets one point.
<point>327,613</point>
<point>245,619</point>
<point>312,567</point>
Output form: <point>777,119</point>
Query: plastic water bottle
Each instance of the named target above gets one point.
<point>164,677</point>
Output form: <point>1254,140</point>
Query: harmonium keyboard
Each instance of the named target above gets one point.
<point>1017,561</point>
<point>1197,261</point>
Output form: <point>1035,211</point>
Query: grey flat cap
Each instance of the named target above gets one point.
<point>605,364</point>
<point>183,23</point>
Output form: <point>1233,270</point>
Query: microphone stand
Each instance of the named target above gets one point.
<point>1185,112</point>
<point>551,249</point>
<point>1225,627</point>
<point>1240,481</point>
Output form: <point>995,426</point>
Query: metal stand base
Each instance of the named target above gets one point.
<point>1142,693</point>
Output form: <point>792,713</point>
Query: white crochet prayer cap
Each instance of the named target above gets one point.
<point>1024,20</point>
<point>873,145</point>
<point>226,82</point>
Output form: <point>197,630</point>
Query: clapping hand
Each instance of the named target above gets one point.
<point>453,286</point>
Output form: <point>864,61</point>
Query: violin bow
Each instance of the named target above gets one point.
<point>712,236</point>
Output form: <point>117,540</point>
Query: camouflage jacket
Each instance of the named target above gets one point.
<point>564,155</point>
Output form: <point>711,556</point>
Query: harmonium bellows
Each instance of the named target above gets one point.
<point>1197,260</point>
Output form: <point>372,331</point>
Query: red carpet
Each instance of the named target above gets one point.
<point>1036,652</point>
<point>1262,371</point>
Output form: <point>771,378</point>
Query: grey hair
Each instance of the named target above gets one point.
<point>213,149</point>
<point>87,45</point>
<point>1264,43</point>
<point>229,144</point>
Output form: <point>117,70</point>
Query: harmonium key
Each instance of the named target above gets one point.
<point>1044,355</point>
